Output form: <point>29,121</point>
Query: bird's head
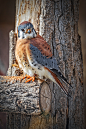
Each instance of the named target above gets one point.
<point>26,30</point>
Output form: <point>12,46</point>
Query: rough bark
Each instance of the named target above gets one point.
<point>57,22</point>
<point>25,98</point>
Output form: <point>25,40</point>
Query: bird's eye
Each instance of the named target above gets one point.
<point>23,30</point>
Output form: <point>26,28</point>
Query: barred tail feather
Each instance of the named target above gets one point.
<point>57,81</point>
<point>60,76</point>
<point>60,84</point>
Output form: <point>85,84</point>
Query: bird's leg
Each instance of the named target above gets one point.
<point>27,76</point>
<point>13,79</point>
<point>31,78</point>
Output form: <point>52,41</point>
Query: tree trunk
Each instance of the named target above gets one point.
<point>27,98</point>
<point>57,22</point>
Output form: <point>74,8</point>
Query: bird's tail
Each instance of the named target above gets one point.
<point>59,75</point>
<point>55,79</point>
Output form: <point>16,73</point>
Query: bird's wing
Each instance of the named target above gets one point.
<point>42,45</point>
<point>42,53</point>
<point>48,63</point>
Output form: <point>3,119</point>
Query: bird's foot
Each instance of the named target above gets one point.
<point>16,65</point>
<point>29,78</point>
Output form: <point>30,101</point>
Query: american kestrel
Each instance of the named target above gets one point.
<point>34,56</point>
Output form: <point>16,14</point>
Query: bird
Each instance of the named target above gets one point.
<point>34,56</point>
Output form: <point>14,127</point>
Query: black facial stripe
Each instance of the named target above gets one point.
<point>18,33</point>
<point>23,35</point>
<point>34,32</point>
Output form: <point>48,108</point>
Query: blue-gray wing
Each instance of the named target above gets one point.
<point>50,63</point>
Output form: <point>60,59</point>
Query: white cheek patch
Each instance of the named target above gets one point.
<point>21,35</point>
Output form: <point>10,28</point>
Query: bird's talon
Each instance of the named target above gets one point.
<point>15,65</point>
<point>27,76</point>
<point>31,78</point>
<point>23,77</point>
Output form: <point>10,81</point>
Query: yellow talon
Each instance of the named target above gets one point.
<point>15,65</point>
<point>31,78</point>
<point>27,76</point>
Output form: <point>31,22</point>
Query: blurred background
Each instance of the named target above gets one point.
<point>7,23</point>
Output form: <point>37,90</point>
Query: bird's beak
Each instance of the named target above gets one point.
<point>28,31</point>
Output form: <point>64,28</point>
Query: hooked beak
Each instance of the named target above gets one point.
<point>28,31</point>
